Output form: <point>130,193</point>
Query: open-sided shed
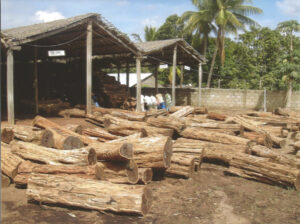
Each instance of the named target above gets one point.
<point>79,37</point>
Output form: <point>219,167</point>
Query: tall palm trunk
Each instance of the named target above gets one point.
<point>212,67</point>
<point>289,94</point>
<point>204,45</point>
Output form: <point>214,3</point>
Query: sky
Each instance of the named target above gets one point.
<point>129,16</point>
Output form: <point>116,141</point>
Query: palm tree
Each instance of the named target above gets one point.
<point>150,33</point>
<point>289,27</point>
<point>228,16</point>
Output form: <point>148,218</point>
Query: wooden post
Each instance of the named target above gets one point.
<point>156,79</point>
<point>35,83</point>
<point>89,48</point>
<point>199,84</point>
<point>127,78</point>
<point>119,73</point>
<point>174,76</point>
<point>181,75</point>
<point>265,99</point>
<point>10,87</point>
<point>138,84</point>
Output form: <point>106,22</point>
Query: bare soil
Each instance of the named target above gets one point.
<point>210,196</point>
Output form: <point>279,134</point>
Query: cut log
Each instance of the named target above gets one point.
<point>262,170</point>
<point>114,125</point>
<point>74,112</point>
<point>77,128</point>
<point>75,191</point>
<point>275,157</point>
<point>24,133</point>
<point>258,138</point>
<point>197,110</point>
<point>9,161</point>
<point>216,116</point>
<point>27,167</point>
<point>298,154</point>
<point>284,133</point>
<point>166,122</point>
<point>117,152</point>
<point>62,140</point>
<point>100,133</point>
<point>297,145</point>
<point>185,145</point>
<point>183,165</point>
<point>145,175</point>
<point>150,152</point>
<point>118,172</point>
<point>196,133</point>
<point>83,156</point>
<point>156,113</point>
<point>183,112</point>
<point>296,136</point>
<point>125,114</point>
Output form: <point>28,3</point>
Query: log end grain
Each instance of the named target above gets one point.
<point>99,171</point>
<point>145,175</point>
<point>146,201</point>
<point>47,139</point>
<point>167,152</point>
<point>126,151</point>
<point>7,135</point>
<point>72,142</point>
<point>132,172</point>
<point>92,156</point>
<point>5,181</point>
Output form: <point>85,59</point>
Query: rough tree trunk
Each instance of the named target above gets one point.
<point>183,112</point>
<point>75,191</point>
<point>166,122</point>
<point>9,161</point>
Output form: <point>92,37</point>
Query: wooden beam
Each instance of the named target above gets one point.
<point>118,66</point>
<point>156,79</point>
<point>89,49</point>
<point>174,76</point>
<point>138,84</point>
<point>199,84</point>
<point>35,83</point>
<point>10,87</point>
<point>127,77</point>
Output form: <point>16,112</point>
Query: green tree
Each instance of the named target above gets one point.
<point>289,28</point>
<point>150,33</point>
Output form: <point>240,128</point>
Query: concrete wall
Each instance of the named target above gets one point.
<point>228,98</point>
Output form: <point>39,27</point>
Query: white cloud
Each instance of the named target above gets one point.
<point>154,21</point>
<point>289,7</point>
<point>46,16</point>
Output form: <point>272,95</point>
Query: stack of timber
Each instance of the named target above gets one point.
<point>117,157</point>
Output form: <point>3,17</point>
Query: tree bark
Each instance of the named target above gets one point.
<point>5,181</point>
<point>183,112</point>
<point>75,191</point>
<point>183,165</point>
<point>83,156</point>
<point>166,122</point>
<point>196,133</point>
<point>100,133</point>
<point>125,114</point>
<point>74,112</point>
<point>216,116</point>
<point>9,161</point>
<point>77,128</point>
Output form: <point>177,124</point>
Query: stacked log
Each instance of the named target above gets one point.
<point>166,122</point>
<point>183,112</point>
<point>9,162</point>
<point>74,112</point>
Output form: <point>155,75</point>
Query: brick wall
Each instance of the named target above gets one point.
<point>228,98</point>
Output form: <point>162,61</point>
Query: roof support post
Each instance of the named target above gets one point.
<point>118,72</point>
<point>10,87</point>
<point>35,83</point>
<point>156,79</point>
<point>138,84</point>
<point>89,49</point>
<point>174,75</point>
<point>199,83</point>
<point>127,77</point>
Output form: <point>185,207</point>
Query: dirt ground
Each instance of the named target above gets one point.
<point>209,197</point>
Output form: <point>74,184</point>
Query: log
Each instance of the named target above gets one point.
<point>274,156</point>
<point>296,136</point>
<point>197,110</point>
<point>117,152</point>
<point>196,133</point>
<point>183,112</point>
<point>145,175</point>
<point>77,128</point>
<point>100,133</point>
<point>261,169</point>
<point>298,154</point>
<point>253,136</point>
<point>82,157</point>
<point>156,113</point>
<point>5,181</point>
<point>9,161</point>
<point>27,167</point>
<point>150,152</point>
<point>24,133</point>
<point>197,146</point>
<point>75,191</point>
<point>216,116</point>
<point>116,172</point>
<point>166,122</point>
<point>121,124</point>
<point>125,114</point>
<point>183,165</point>
<point>74,112</point>
<point>62,140</point>
<point>284,133</point>
<point>297,145</point>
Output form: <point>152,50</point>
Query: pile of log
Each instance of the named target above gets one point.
<point>116,158</point>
